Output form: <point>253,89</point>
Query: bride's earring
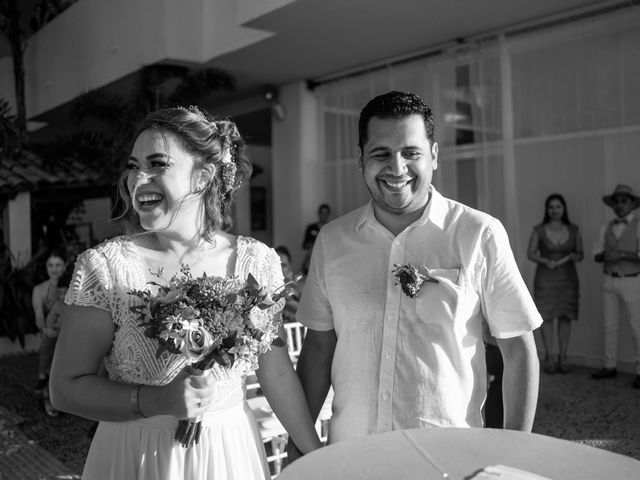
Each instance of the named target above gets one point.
<point>206,177</point>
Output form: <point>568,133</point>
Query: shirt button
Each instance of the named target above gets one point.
<point>387,356</point>
<point>386,396</point>
<point>397,242</point>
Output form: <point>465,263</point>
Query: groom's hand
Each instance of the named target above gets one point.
<point>292,452</point>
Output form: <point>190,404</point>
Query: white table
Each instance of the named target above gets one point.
<point>422,454</point>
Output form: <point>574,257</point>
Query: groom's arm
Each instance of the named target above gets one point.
<point>314,371</point>
<point>314,367</point>
<point>519,381</point>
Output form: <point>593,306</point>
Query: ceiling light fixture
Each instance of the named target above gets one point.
<point>277,109</point>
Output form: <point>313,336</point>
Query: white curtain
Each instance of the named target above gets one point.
<point>576,109</point>
<point>518,118</point>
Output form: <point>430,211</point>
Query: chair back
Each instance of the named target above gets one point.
<point>295,333</point>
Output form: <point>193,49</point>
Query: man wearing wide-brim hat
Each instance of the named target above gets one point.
<point>618,249</point>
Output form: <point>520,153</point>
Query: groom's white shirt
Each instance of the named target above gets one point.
<point>403,362</point>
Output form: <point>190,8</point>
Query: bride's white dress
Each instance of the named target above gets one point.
<point>230,447</point>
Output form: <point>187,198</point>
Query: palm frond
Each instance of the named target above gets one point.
<point>8,125</point>
<point>112,110</point>
<point>197,85</point>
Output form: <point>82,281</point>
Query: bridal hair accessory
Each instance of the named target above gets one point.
<point>229,168</point>
<point>411,279</point>
<point>228,161</point>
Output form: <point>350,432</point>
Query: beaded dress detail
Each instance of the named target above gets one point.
<point>103,277</point>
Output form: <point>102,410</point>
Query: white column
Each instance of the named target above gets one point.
<point>19,227</point>
<point>297,177</point>
<point>508,151</point>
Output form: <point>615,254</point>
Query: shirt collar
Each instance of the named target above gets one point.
<point>435,212</point>
<point>628,218</point>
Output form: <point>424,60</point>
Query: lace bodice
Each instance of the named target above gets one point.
<point>104,275</point>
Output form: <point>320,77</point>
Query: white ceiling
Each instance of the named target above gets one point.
<point>316,38</point>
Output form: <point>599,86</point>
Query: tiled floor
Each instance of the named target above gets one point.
<point>22,458</point>
<point>600,413</point>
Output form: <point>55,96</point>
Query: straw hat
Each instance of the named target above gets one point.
<point>622,189</point>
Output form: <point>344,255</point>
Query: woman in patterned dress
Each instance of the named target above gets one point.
<point>184,170</point>
<point>556,246</point>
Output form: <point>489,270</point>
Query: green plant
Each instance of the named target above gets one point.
<point>106,122</point>
<point>16,314</point>
<point>8,128</point>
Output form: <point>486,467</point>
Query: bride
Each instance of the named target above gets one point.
<point>183,173</point>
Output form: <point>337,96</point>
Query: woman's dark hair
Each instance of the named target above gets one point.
<point>211,141</point>
<point>55,253</point>
<point>283,250</point>
<point>565,214</point>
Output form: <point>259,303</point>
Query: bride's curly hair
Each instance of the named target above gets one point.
<point>211,141</point>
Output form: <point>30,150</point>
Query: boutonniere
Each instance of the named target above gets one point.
<point>411,278</point>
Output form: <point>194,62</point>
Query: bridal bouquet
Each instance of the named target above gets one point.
<point>210,320</point>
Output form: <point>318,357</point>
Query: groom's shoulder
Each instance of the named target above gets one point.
<point>462,214</point>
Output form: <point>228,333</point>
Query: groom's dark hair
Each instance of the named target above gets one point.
<point>394,105</point>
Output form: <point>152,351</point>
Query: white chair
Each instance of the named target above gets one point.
<point>271,430</point>
<point>295,333</point>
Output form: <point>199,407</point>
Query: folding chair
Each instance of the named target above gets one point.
<point>295,333</point>
<point>271,431</point>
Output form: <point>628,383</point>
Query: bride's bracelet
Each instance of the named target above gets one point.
<point>134,401</point>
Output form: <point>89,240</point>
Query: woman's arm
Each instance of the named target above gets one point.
<point>52,320</point>
<point>281,386</point>
<point>76,386</point>
<point>37,300</point>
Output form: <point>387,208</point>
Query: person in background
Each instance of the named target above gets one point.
<point>183,173</point>
<point>6,259</point>
<point>311,233</point>
<point>292,301</point>
<point>556,246</point>
<point>618,249</point>
<point>493,410</point>
<point>52,324</point>
<point>44,296</point>
<point>398,290</point>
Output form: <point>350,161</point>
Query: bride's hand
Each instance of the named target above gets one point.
<point>188,395</point>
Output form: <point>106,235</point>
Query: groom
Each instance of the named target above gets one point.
<point>416,359</point>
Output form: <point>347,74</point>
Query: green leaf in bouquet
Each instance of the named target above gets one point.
<point>230,298</point>
<point>230,341</point>
<point>222,357</point>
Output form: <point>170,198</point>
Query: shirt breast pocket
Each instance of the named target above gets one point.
<point>443,302</point>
